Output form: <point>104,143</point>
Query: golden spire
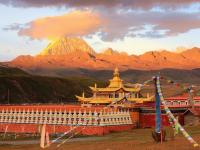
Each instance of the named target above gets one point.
<point>116,81</point>
<point>83,94</point>
<point>116,72</point>
<point>95,85</point>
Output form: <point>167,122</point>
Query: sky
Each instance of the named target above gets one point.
<point>133,26</point>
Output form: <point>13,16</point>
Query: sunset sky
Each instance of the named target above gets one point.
<point>134,26</point>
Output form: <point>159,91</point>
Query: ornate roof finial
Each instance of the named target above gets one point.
<point>83,94</point>
<point>95,85</point>
<point>116,72</point>
<point>116,82</point>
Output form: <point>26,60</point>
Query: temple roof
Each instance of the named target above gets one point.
<point>98,100</point>
<point>115,84</point>
<point>109,89</point>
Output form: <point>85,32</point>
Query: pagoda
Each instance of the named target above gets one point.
<point>114,93</point>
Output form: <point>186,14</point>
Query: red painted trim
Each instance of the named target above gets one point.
<point>89,130</point>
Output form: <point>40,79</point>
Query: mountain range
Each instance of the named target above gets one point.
<point>66,56</point>
<point>76,66</point>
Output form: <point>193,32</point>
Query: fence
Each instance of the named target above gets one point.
<point>66,117</point>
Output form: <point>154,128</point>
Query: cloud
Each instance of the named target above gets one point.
<point>113,22</point>
<point>142,4</point>
<point>14,26</point>
<point>160,24</point>
<point>76,23</point>
<point>110,26</point>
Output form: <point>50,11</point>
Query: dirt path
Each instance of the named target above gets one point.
<point>29,142</point>
<point>138,139</point>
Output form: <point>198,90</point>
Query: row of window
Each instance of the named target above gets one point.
<point>177,103</point>
<point>116,95</point>
<point>180,102</point>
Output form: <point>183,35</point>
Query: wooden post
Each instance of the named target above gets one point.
<point>50,121</point>
<point>85,118</point>
<point>64,122</point>
<point>8,96</point>
<point>158,114</point>
<point>6,129</point>
<point>95,118</point>
<point>191,101</point>
<point>69,118</point>
<point>79,117</point>
<point>90,118</point>
<point>42,138</point>
<point>74,118</point>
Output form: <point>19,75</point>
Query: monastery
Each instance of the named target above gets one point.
<point>113,108</point>
<point>115,93</point>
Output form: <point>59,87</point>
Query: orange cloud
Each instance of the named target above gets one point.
<point>76,23</point>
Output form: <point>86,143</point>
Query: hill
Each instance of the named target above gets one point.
<point>180,75</point>
<point>8,71</point>
<point>20,87</point>
<point>17,86</point>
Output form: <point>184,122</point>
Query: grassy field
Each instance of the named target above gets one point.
<point>137,139</point>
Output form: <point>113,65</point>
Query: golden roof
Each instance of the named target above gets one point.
<point>116,82</point>
<point>109,89</point>
<point>99,100</point>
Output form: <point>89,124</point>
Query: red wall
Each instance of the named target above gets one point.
<point>148,120</point>
<point>135,117</point>
<point>89,130</point>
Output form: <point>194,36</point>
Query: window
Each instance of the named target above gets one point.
<point>176,103</point>
<point>168,103</point>
<point>116,95</point>
<point>183,103</point>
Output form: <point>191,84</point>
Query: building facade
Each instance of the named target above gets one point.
<point>113,108</point>
<point>115,92</point>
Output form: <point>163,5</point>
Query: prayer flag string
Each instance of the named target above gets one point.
<point>171,116</point>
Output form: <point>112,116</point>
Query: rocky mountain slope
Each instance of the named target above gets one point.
<point>74,53</point>
<point>65,46</point>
